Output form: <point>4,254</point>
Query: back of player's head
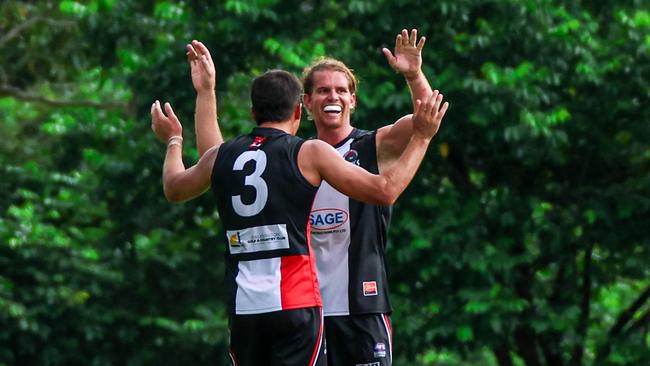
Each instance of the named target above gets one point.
<point>328,64</point>
<point>274,96</point>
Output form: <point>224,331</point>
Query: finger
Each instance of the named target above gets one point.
<point>405,37</point>
<point>398,42</point>
<point>432,100</point>
<point>443,110</point>
<point>418,108</point>
<point>434,95</point>
<point>202,49</point>
<point>420,44</point>
<point>389,56</point>
<point>436,104</point>
<point>205,62</point>
<point>191,52</point>
<point>170,111</point>
<point>157,114</point>
<point>414,36</point>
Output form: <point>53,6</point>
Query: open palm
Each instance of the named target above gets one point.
<point>408,54</point>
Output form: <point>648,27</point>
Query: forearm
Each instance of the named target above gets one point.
<point>399,175</point>
<point>172,167</point>
<point>206,124</point>
<point>419,86</point>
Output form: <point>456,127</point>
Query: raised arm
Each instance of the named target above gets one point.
<point>318,160</point>
<point>407,60</point>
<point>179,184</point>
<point>204,81</point>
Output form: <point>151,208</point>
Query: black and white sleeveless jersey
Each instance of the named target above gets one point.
<point>349,239</point>
<point>264,203</point>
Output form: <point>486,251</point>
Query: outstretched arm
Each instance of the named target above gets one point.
<point>407,60</point>
<point>179,184</point>
<point>204,81</point>
<point>318,160</point>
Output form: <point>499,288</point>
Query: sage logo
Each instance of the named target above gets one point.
<point>327,219</point>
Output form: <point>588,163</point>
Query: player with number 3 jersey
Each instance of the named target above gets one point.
<point>264,183</point>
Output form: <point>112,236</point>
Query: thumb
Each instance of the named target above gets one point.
<point>389,56</point>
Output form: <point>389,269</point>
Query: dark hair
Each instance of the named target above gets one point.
<point>274,96</point>
<point>329,64</point>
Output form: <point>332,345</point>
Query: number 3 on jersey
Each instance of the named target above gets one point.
<point>254,180</point>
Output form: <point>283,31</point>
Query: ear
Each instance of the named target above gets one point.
<point>297,112</point>
<point>353,101</point>
<point>306,99</point>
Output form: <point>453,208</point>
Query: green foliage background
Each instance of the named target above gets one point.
<point>523,240</point>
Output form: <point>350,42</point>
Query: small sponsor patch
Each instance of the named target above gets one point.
<point>368,364</point>
<point>258,239</point>
<point>370,288</point>
<point>352,156</point>
<point>380,350</point>
<point>257,142</point>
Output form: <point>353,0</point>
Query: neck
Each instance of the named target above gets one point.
<point>286,126</point>
<point>334,136</point>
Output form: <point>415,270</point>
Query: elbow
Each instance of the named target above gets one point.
<point>172,195</point>
<point>388,196</point>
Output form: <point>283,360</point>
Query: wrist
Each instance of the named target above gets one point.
<point>413,75</point>
<point>175,140</point>
<point>421,138</point>
<point>205,91</point>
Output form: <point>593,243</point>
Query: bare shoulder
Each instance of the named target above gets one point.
<point>316,148</point>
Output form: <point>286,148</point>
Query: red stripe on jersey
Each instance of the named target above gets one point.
<point>299,283</point>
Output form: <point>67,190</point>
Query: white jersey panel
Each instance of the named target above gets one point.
<point>330,220</point>
<point>258,286</point>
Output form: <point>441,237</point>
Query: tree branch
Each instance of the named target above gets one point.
<point>583,322</point>
<point>14,32</point>
<point>17,29</point>
<point>10,91</point>
<point>643,320</point>
<point>622,320</point>
<point>625,317</point>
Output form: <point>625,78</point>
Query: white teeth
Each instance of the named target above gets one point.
<point>332,108</point>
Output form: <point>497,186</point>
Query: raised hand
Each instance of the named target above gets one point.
<point>428,115</point>
<point>165,126</point>
<point>408,55</point>
<point>202,66</point>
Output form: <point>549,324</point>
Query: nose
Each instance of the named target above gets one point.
<point>332,95</point>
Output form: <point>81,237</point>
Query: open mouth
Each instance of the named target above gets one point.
<point>332,108</point>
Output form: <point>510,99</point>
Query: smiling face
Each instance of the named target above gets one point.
<point>330,102</point>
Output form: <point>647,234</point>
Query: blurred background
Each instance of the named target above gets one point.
<point>524,239</point>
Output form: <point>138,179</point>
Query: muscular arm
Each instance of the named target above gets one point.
<point>392,139</point>
<point>180,184</point>
<point>204,81</point>
<point>318,160</point>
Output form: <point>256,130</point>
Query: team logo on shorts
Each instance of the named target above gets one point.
<point>380,350</point>
<point>370,288</point>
